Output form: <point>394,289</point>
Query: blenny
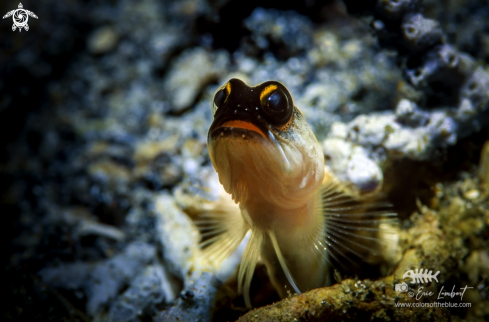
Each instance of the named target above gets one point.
<point>300,216</point>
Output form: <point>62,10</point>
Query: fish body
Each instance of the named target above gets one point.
<point>269,161</point>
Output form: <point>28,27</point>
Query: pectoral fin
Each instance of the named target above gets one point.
<point>222,229</point>
<point>356,226</point>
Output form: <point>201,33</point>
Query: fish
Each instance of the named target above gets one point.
<point>299,217</point>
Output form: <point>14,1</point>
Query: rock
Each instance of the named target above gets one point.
<point>410,132</point>
<point>103,40</point>
<point>86,228</point>
<point>147,151</point>
<point>105,170</point>
<point>421,33</point>
<point>443,64</point>
<point>350,163</point>
<point>179,239</point>
<point>396,9</point>
<point>484,165</point>
<point>476,89</point>
<point>190,73</point>
<point>287,32</point>
<point>150,289</point>
<point>195,303</point>
<point>101,281</point>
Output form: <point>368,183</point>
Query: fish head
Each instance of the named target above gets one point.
<point>261,146</point>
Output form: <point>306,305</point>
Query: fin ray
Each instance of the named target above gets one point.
<point>281,260</point>
<point>222,229</point>
<point>249,259</point>
<point>352,223</point>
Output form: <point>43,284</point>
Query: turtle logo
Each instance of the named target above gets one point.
<point>20,16</point>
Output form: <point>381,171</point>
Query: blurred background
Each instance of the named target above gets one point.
<point>105,107</point>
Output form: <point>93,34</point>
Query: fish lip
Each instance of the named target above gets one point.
<point>225,132</point>
<point>220,121</point>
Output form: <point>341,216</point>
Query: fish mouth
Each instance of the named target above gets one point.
<point>239,126</point>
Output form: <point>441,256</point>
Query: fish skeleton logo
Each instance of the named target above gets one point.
<point>419,277</point>
<point>20,16</point>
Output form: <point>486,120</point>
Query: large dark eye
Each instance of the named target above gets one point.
<point>277,104</point>
<point>220,97</point>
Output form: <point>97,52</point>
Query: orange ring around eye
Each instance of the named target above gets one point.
<point>228,88</point>
<point>267,90</point>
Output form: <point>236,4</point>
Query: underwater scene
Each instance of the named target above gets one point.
<point>226,160</point>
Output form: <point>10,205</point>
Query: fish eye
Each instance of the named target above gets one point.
<point>277,102</point>
<point>277,105</point>
<point>220,97</point>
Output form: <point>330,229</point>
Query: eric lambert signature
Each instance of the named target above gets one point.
<point>441,294</point>
<point>452,294</point>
